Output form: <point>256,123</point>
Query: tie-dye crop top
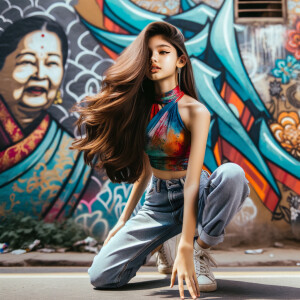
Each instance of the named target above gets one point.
<point>168,141</point>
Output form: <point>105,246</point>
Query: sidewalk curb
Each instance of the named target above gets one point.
<point>34,259</point>
<point>229,258</point>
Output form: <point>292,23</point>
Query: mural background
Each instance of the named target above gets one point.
<point>247,76</point>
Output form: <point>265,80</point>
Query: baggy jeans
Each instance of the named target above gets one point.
<point>160,218</point>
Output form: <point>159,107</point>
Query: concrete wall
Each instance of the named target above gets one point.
<point>247,76</point>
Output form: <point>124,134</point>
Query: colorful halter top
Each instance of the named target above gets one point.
<point>168,141</point>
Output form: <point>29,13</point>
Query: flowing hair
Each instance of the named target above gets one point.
<point>115,119</point>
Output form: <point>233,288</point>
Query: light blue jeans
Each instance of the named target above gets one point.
<point>220,196</point>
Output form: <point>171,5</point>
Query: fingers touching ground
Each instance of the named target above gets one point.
<point>196,284</point>
<point>173,277</point>
<point>191,283</point>
<point>191,287</point>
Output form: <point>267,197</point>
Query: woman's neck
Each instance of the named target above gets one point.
<point>164,86</point>
<point>168,96</point>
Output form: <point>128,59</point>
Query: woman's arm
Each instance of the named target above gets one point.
<point>200,121</point>
<point>184,265</point>
<point>137,190</point>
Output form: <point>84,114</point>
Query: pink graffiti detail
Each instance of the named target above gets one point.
<point>88,204</point>
<point>293,42</point>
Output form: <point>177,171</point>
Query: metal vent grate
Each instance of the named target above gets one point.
<point>260,11</point>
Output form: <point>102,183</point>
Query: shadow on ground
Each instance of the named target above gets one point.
<point>227,289</point>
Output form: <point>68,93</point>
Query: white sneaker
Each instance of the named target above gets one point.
<point>202,261</point>
<point>166,255</point>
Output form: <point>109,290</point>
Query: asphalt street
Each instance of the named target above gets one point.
<point>73,283</point>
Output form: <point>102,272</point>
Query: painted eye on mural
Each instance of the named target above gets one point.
<point>52,63</point>
<point>25,62</point>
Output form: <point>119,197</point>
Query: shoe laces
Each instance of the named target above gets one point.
<point>162,257</point>
<point>205,261</point>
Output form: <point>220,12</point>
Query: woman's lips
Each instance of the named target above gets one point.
<point>35,90</point>
<point>154,70</point>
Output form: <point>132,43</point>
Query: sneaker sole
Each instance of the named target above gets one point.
<point>165,270</point>
<point>208,287</point>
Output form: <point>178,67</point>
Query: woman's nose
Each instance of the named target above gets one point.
<point>41,71</point>
<point>153,58</point>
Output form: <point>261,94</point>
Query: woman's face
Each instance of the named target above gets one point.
<point>164,56</point>
<point>32,74</point>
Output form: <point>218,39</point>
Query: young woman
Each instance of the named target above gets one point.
<point>147,123</point>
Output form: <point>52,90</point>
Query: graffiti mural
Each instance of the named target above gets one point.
<point>166,7</point>
<point>293,7</point>
<point>37,172</point>
<point>247,77</point>
<point>47,63</point>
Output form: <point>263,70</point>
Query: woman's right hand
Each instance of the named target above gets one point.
<point>114,230</point>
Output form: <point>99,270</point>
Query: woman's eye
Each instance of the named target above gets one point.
<point>164,52</point>
<point>25,62</point>
<point>52,63</point>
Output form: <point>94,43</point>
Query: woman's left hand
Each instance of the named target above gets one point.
<point>185,270</point>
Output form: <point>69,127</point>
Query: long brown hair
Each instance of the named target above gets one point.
<point>116,118</point>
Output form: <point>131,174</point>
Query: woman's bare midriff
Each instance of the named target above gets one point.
<point>168,174</point>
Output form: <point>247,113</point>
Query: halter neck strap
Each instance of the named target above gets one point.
<point>169,96</point>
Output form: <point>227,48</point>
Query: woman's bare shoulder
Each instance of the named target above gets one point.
<point>188,108</point>
<point>192,103</point>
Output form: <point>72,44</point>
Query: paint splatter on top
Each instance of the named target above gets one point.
<point>168,141</point>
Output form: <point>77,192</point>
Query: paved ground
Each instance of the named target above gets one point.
<point>36,275</point>
<point>73,283</point>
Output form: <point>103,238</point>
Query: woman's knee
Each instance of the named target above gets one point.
<point>232,173</point>
<point>101,272</point>
<point>231,178</point>
<point>232,169</point>
<point>235,177</point>
<point>97,277</point>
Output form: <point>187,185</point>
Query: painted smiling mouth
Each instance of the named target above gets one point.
<point>36,90</point>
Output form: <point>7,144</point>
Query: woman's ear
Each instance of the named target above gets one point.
<point>181,61</point>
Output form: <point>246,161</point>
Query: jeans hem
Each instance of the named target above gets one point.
<point>208,239</point>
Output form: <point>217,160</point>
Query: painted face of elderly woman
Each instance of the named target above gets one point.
<point>31,75</point>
